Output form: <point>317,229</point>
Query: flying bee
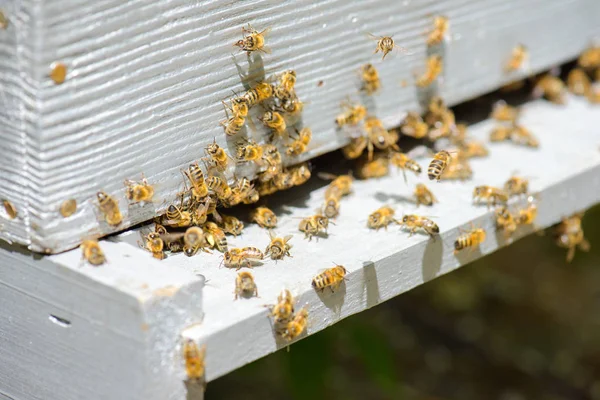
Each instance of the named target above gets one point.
<point>376,168</point>
<point>67,208</point>
<point>259,93</point>
<point>92,253</point>
<point>313,225</point>
<point>232,225</point>
<point>340,185</point>
<point>177,218</point>
<point>194,360</point>
<point>500,133</point>
<point>219,186</point>
<point>433,69</point>
<point>491,195</point>
<point>109,207</point>
<point>330,278</point>
<point>552,88</point>
<point>504,113</point>
<point>385,44</point>
<point>284,309</point>
<point>404,162</point>
<point>298,146</point>
<point>458,168</point>
<point>523,136</point>
<point>516,186</point>
<point>300,173</point>
<point>279,247</point>
<point>264,217</point>
<point>440,27</point>
<point>139,192</point>
<point>379,137</point>
<point>331,208</point>
<point>288,79</point>
<point>569,235</point>
<point>10,209</point>
<point>424,196</point>
<point>438,165</point>
<point>473,149</point>
<point>578,82</point>
<point>253,40</point>
<point>413,222</point>
<point>296,326</point>
<point>155,245</point>
<point>240,257</point>
<point>352,114</point>
<point>355,148</point>
<point>245,285</point>
<point>193,240</point>
<point>218,157</point>
<point>370,79</point>
<point>381,218</point>
<point>275,121</point>
<point>414,126</point>
<point>195,176</point>
<point>248,151</point>
<point>470,239</point>
<point>505,221</point>
<point>518,57</point>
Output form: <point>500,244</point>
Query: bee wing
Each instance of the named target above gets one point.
<point>266,31</point>
<point>371,36</point>
<point>326,176</point>
<point>266,49</point>
<point>403,50</point>
<point>287,238</point>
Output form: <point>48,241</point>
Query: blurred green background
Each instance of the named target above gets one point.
<point>518,324</point>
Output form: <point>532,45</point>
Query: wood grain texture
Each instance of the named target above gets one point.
<point>145,82</point>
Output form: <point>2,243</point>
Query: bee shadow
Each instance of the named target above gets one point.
<point>194,389</point>
<point>371,284</point>
<point>396,198</point>
<point>467,255</point>
<point>333,299</point>
<point>432,258</point>
<point>254,73</point>
<point>145,210</point>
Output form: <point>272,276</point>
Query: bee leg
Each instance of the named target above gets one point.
<point>584,245</point>
<point>570,254</point>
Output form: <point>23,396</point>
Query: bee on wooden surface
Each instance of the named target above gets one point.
<point>155,245</point>
<point>528,214</point>
<point>379,137</point>
<point>413,222</point>
<point>272,159</point>
<point>385,44</point>
<point>298,146</point>
<point>92,253</point>
<point>590,58</point>
<point>331,208</point>
<point>10,209</point>
<point>552,88</point>
<point>176,218</point>
<point>381,218</point>
<point>218,157</point>
<point>352,114</point>
<point>284,309</point>
<point>473,149</point>
<point>518,56</point>
<point>414,126</point>
<point>330,278</point>
<point>370,79</point>
<point>199,212</point>
<point>569,235</point>
<point>232,125</point>
<point>240,257</point>
<point>264,217</point>
<point>266,188</point>
<point>279,247</point>
<point>578,82</point>
<point>300,173</point>
<point>504,113</point>
<point>275,121</point>
<point>288,79</point>
<point>109,207</point>
<point>251,197</point>
<point>433,69</point>
<point>424,196</point>
<point>505,221</point>
<point>194,360</point>
<point>245,285</point>
<point>248,151</point>
<point>355,148</point>
<point>68,208</point>
<point>492,195</point>
<point>215,236</point>
<point>314,225</point>
<point>283,180</point>
<point>296,326</point>
<point>232,225</point>
<point>195,176</point>
<point>440,27</point>
<point>292,106</point>
<point>404,162</point>
<point>438,165</point>
<point>523,136</point>
<point>340,185</point>
<point>516,186</point>
<point>253,40</point>
<point>376,168</point>
<point>193,240</point>
<point>219,187</point>
<point>500,133</point>
<point>470,239</point>
<point>138,192</point>
<point>259,93</point>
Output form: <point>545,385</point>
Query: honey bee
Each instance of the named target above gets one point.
<point>505,221</point>
<point>238,258</point>
<point>219,186</point>
<point>473,149</point>
<point>518,57</point>
<point>176,218</point>
<point>492,195</point>
<point>590,58</point>
<point>438,165</point>
<point>68,208</point>
<point>245,285</point>
<point>381,218</point>
<point>404,162</point>
<point>139,192</point>
<point>275,121</point>
<point>10,209</point>
<point>253,40</point>
<point>248,151</point>
<point>552,88</point>
<point>259,93</point>
<point>232,225</point>
<point>440,27</point>
<point>283,310</point>
<point>296,326</point>
<point>195,176</point>
<point>215,236</point>
<point>414,126</point>
<point>340,185</point>
<point>424,196</point>
<point>523,136</point>
<point>330,278</point>
<point>578,82</point>
<point>300,173</point>
<point>379,137</point>
<point>264,217</point>
<point>292,106</point>
<point>500,133</point>
<point>284,180</point>
<point>503,112</point>
<point>298,146</point>
<point>155,245</point>
<point>218,157</point>
<point>470,239</point>
<point>376,168</point>
<point>413,222</point>
<point>109,207</point>
<point>433,69</point>
<point>193,240</point>
<point>199,213</point>
<point>331,208</point>
<point>272,159</point>
<point>92,253</point>
<point>458,168</point>
<point>527,215</point>
<point>239,107</point>
<point>569,235</point>
<point>370,79</point>
<point>232,125</point>
<point>385,44</point>
<point>352,114</point>
<point>279,247</point>
<point>516,186</point>
<point>288,79</point>
<point>194,360</point>
<point>355,148</point>
<point>313,225</point>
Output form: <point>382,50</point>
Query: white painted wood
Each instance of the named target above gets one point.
<point>146,79</point>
